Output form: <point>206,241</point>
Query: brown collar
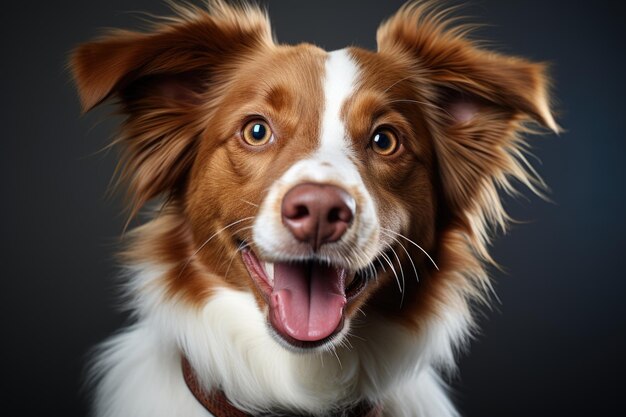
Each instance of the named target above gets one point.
<point>219,406</point>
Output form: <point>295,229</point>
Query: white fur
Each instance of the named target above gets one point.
<point>341,76</point>
<point>424,396</point>
<point>229,347</point>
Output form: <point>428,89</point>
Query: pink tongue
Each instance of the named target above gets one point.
<point>307,300</point>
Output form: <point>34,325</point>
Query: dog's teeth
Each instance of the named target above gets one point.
<point>269,271</point>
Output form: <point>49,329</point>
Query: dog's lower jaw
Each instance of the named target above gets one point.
<point>229,346</point>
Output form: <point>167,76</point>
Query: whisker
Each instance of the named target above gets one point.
<point>386,258</point>
<point>345,343</point>
<point>396,83</point>
<point>401,274</point>
<point>413,243</point>
<point>209,239</point>
<point>241,247</point>
<point>381,265</point>
<point>405,251</point>
<point>238,231</point>
<point>248,202</point>
<point>333,349</point>
<point>359,337</point>
<point>370,269</point>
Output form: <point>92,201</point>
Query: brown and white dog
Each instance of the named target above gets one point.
<point>324,216</point>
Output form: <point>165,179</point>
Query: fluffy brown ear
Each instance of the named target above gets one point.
<point>484,100</point>
<point>168,70</point>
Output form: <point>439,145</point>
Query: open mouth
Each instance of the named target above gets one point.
<point>306,299</point>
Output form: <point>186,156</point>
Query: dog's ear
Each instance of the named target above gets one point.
<point>195,43</point>
<point>483,100</point>
<point>170,70</point>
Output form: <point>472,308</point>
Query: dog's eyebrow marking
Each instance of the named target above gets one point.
<point>278,97</point>
<point>340,78</point>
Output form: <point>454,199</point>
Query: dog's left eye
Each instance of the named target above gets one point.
<point>257,133</point>
<point>385,142</point>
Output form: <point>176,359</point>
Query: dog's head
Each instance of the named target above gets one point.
<point>315,180</point>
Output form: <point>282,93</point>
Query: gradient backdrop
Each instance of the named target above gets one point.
<point>554,346</point>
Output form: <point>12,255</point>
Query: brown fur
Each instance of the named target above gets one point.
<point>474,159</point>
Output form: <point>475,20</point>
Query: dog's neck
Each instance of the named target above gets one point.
<point>219,406</point>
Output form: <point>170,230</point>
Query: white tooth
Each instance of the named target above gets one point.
<point>269,271</point>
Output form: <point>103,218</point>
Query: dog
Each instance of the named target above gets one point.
<point>321,220</point>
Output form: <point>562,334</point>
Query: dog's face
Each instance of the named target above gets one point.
<point>317,181</point>
<point>312,170</point>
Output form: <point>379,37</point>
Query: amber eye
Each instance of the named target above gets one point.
<point>257,133</point>
<point>385,142</point>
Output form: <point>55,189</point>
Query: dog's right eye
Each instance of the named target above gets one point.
<point>385,142</point>
<point>257,133</point>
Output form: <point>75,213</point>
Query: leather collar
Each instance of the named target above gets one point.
<point>218,405</point>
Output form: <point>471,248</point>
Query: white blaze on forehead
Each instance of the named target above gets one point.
<point>341,74</point>
<point>331,162</point>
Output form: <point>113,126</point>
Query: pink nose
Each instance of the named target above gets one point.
<point>317,213</point>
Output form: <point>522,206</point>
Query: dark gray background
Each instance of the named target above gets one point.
<point>555,344</point>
